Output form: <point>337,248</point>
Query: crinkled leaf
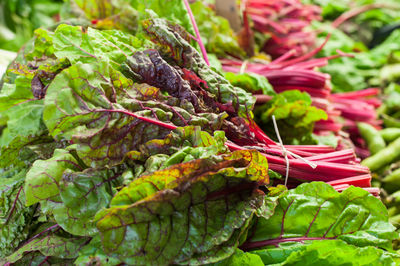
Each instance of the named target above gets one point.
<point>32,70</point>
<point>107,14</point>
<point>93,254</point>
<point>182,137</point>
<point>81,195</point>
<point>17,92</point>
<point>294,115</point>
<point>181,145</point>
<point>15,217</point>
<point>175,46</point>
<point>163,217</point>
<point>149,67</point>
<point>171,10</point>
<point>316,212</point>
<point>91,45</point>
<point>96,107</point>
<point>250,82</point>
<point>50,244</point>
<point>42,180</point>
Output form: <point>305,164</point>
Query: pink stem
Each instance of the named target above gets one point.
<point>146,119</point>
<point>196,29</point>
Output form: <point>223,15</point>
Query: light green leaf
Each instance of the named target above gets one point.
<point>316,212</point>
<point>42,180</point>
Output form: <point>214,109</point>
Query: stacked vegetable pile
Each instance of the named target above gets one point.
<point>120,145</point>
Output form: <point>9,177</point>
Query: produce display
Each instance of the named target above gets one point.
<point>148,132</point>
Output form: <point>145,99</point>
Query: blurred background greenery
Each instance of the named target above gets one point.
<point>19,18</point>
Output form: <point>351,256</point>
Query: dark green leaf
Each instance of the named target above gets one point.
<point>82,194</point>
<point>51,245</point>
<point>175,46</point>
<point>15,217</point>
<point>155,214</point>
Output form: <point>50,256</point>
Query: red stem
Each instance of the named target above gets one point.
<point>196,29</point>
<point>14,205</point>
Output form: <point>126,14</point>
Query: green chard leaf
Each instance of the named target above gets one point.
<point>79,44</point>
<point>21,103</point>
<point>42,180</point>
<point>115,14</point>
<point>294,115</point>
<point>240,258</point>
<point>171,10</point>
<point>93,254</point>
<point>15,217</point>
<point>96,107</point>
<point>81,195</point>
<point>315,212</point>
<point>181,145</point>
<point>174,44</point>
<point>162,217</point>
<point>49,243</point>
<point>338,252</point>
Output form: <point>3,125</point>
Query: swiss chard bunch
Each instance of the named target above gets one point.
<point>113,151</point>
<point>78,137</point>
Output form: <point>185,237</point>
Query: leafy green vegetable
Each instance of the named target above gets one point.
<point>337,252</point>
<point>81,195</point>
<point>316,212</point>
<point>14,215</point>
<point>175,46</point>
<point>50,244</point>
<point>294,115</point>
<point>240,258</point>
<point>42,179</point>
<point>93,253</point>
<point>171,10</point>
<point>77,45</point>
<point>112,151</point>
<point>250,82</point>
<point>177,202</point>
<point>103,127</point>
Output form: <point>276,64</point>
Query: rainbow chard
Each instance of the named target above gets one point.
<point>137,152</point>
<point>177,204</point>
